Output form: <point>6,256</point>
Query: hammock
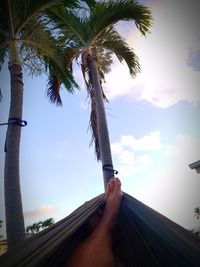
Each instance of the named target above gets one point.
<point>144,237</point>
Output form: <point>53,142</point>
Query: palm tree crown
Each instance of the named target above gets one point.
<point>26,38</point>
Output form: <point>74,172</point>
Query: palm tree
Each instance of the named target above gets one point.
<point>26,41</point>
<point>28,228</point>
<point>35,227</point>
<point>94,38</point>
<point>47,223</point>
<point>197,212</point>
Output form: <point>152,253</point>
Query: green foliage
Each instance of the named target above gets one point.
<point>109,13</point>
<point>26,23</point>
<point>113,42</point>
<point>36,227</point>
<point>96,31</point>
<point>197,212</point>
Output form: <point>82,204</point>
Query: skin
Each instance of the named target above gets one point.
<point>96,250</point>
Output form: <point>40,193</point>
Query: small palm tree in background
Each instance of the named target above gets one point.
<point>36,227</point>
<point>94,38</point>
<point>26,40</point>
<point>197,212</point>
<point>47,223</point>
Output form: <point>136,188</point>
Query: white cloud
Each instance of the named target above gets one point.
<point>166,77</point>
<point>150,142</point>
<point>128,152</point>
<point>116,148</point>
<point>46,210</point>
<point>185,151</point>
<point>145,160</point>
<point>127,157</point>
<point>171,181</point>
<point>127,170</point>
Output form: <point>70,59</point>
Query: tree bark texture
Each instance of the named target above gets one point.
<point>103,134</point>
<point>13,201</point>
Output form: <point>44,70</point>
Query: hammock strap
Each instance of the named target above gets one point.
<point>109,168</point>
<point>15,121</point>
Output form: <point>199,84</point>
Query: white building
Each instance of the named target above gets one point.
<point>195,165</point>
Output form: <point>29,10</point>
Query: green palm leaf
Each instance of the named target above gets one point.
<point>47,53</point>
<point>3,34</point>
<point>108,14</point>
<point>28,10</point>
<point>69,23</point>
<point>112,41</point>
<point>59,74</point>
<point>3,54</point>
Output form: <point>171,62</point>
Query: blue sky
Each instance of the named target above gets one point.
<point>153,122</point>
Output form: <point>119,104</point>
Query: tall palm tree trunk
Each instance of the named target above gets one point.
<point>13,202</point>
<point>103,135</point>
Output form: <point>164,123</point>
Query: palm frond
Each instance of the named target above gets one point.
<point>37,43</point>
<point>56,77</point>
<point>106,14</point>
<point>69,24</point>
<point>59,74</point>
<point>93,125</point>
<point>53,90</point>
<point>38,39</point>
<point>90,3</point>
<point>112,41</point>
<point>25,11</point>
<point>3,55</point>
<point>4,33</point>
<point>93,116</point>
<point>4,22</point>
<point>42,51</point>
<point>103,58</point>
<point>71,54</point>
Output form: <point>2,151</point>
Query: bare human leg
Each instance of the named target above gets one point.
<point>96,250</point>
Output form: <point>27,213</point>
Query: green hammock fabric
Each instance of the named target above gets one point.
<point>51,246</point>
<point>143,237</point>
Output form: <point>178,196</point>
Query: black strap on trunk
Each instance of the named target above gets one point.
<point>109,168</point>
<point>15,121</point>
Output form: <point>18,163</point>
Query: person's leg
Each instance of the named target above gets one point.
<point>96,250</point>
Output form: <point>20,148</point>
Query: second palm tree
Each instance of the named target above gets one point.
<point>96,40</point>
